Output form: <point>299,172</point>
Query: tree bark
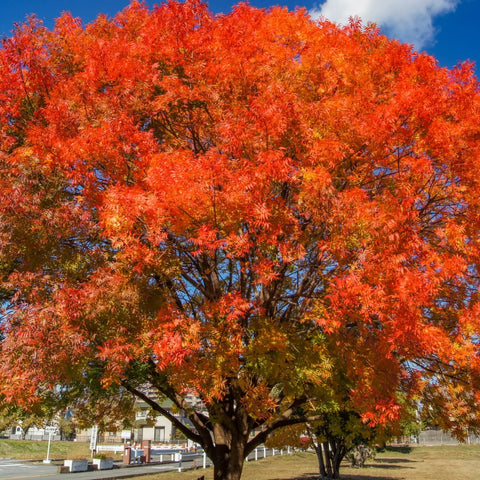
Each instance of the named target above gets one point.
<point>228,455</point>
<point>321,463</point>
<point>328,459</point>
<point>330,456</point>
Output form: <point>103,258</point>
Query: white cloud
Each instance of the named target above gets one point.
<point>407,20</point>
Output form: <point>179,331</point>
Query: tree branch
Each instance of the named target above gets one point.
<point>283,421</point>
<point>167,414</point>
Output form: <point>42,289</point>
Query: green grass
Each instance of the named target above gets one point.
<point>35,450</point>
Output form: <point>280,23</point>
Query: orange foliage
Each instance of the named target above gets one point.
<point>173,181</point>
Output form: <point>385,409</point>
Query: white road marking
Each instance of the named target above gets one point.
<point>15,465</point>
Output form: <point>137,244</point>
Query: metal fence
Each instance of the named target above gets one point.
<point>197,460</point>
<point>187,460</point>
<point>437,437</point>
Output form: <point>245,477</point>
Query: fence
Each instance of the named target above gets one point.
<point>259,453</point>
<point>185,459</point>
<point>264,452</point>
<point>34,436</point>
<point>110,448</point>
<point>437,437</point>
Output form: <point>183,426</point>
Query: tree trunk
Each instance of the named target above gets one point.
<point>330,456</point>
<point>328,459</point>
<point>321,463</point>
<point>337,460</point>
<point>229,455</point>
<point>339,450</point>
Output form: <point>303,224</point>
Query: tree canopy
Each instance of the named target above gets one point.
<point>257,208</point>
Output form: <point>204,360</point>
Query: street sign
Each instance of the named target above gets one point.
<point>93,438</point>
<point>126,434</point>
<point>51,430</point>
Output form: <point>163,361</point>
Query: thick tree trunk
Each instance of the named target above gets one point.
<point>227,465</point>
<point>228,455</point>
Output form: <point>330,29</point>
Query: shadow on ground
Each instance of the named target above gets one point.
<point>363,474</point>
<point>397,449</point>
<point>390,460</point>
<point>312,476</point>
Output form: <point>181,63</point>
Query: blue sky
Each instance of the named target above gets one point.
<point>447,29</point>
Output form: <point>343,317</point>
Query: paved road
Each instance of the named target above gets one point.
<point>17,470</point>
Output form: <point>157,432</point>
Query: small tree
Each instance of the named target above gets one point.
<point>336,436</point>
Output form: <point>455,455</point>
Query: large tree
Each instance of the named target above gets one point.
<point>231,205</point>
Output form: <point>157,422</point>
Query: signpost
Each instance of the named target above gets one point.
<point>51,430</point>
<point>93,439</point>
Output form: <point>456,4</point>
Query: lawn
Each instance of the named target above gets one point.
<point>421,463</point>
<point>34,450</point>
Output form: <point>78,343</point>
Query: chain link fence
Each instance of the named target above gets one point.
<point>437,437</point>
